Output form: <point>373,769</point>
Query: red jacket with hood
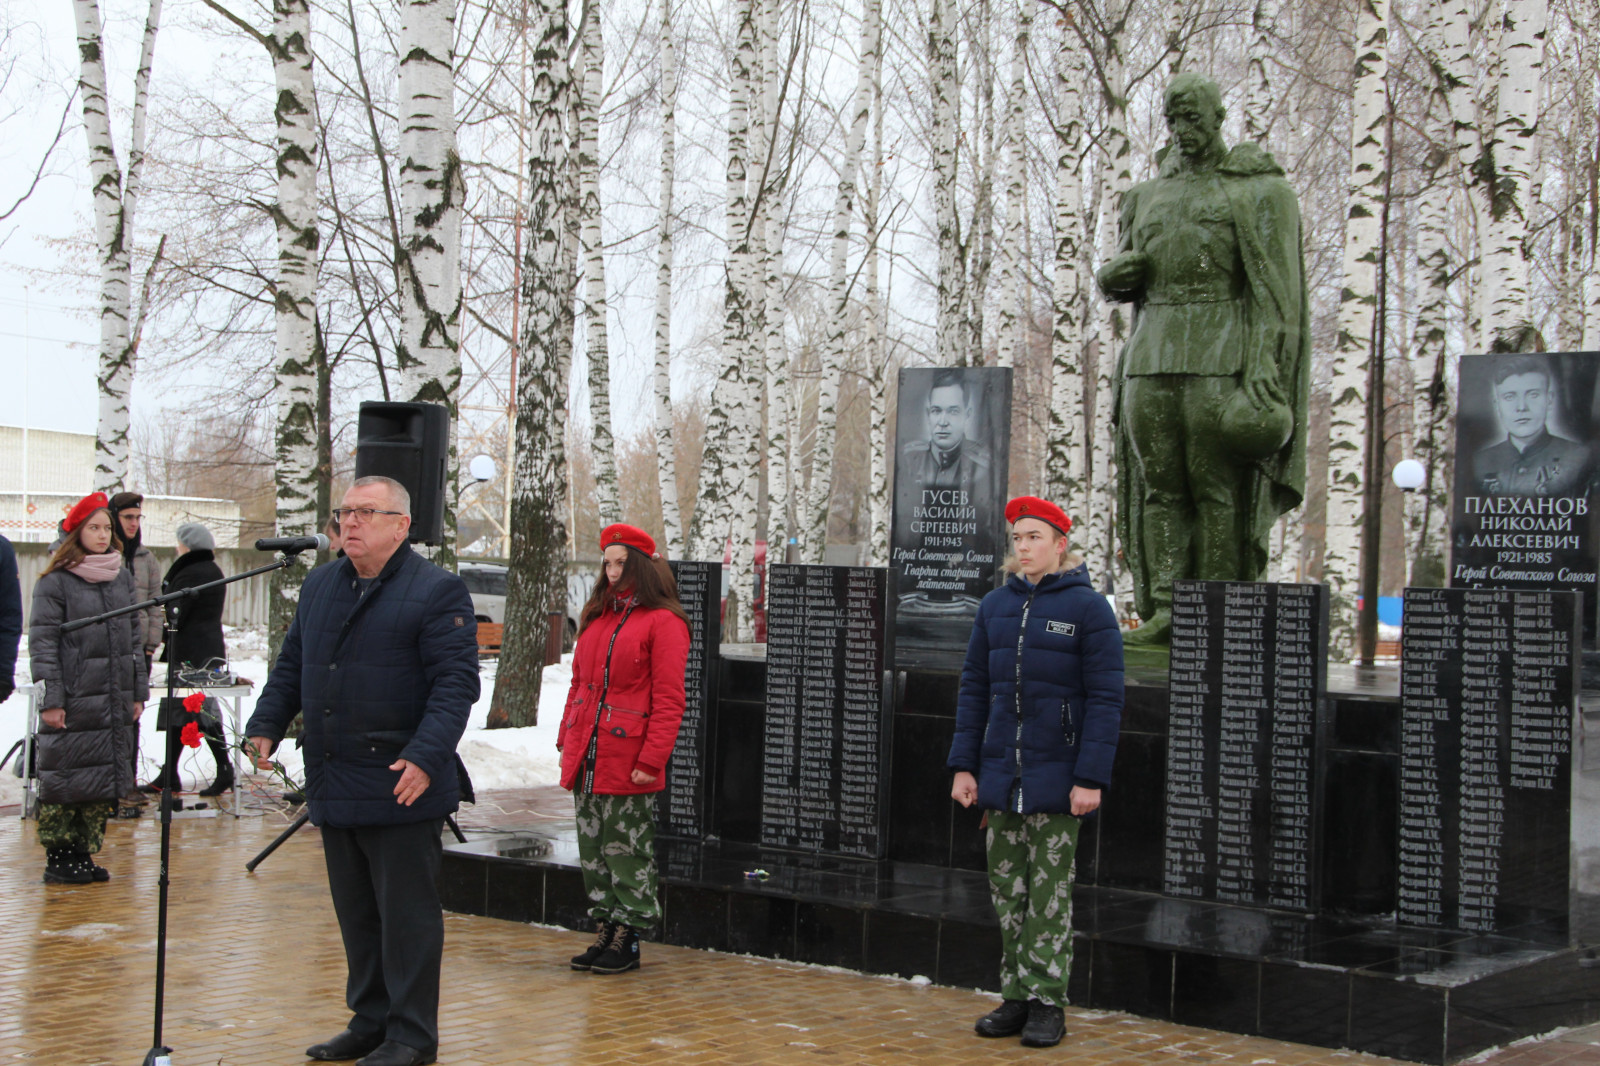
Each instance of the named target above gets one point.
<point>642,708</point>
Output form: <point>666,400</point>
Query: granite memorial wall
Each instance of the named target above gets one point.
<point>682,809</point>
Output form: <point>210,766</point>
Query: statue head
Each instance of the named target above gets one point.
<point>1194,114</point>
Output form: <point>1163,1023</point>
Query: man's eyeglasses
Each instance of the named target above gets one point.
<point>346,515</point>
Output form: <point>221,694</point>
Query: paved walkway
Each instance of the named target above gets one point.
<point>256,974</point>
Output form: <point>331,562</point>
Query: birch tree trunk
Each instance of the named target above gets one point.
<point>950,337</point>
<point>539,485</point>
<point>666,451</point>
<point>115,200</point>
<point>431,194</point>
<point>1177,39</point>
<point>1504,250</point>
<point>774,355</point>
<point>1013,145</point>
<point>820,491</point>
<point>1099,540</point>
<point>1065,452</point>
<point>296,473</point>
<point>1261,98</point>
<point>979,251</point>
<point>597,348</point>
<point>877,360</point>
<point>1349,432</point>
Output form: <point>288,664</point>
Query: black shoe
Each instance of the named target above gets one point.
<point>346,1045</point>
<point>85,861</point>
<point>1046,1025</point>
<point>603,934</point>
<point>62,868</point>
<point>390,1053</point>
<point>621,954</point>
<point>223,783</point>
<point>1005,1020</point>
<point>159,785</point>
<point>129,813</point>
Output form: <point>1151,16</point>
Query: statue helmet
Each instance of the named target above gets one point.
<point>1253,432</point>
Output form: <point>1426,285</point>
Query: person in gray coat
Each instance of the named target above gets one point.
<point>95,686</point>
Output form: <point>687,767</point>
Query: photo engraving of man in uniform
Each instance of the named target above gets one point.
<point>1531,460</point>
<point>947,458</point>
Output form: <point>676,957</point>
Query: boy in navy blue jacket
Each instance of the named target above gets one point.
<point>1036,733</point>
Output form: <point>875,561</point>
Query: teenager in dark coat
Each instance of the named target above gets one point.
<point>1037,721</point>
<point>95,686</point>
<point>383,657</point>
<point>196,640</point>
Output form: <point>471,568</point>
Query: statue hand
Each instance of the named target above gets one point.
<point>1261,384</point>
<point>1124,278</point>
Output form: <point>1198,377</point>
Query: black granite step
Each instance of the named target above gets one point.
<point>1425,995</point>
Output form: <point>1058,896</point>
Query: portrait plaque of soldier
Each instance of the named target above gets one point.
<point>1212,387</point>
<point>1525,474</point>
<point>951,466</point>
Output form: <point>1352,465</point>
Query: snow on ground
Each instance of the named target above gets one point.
<point>496,758</point>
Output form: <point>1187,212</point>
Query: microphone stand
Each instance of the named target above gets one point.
<point>159,1054</point>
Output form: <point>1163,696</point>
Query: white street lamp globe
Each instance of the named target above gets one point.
<point>1409,475</point>
<point>481,467</point>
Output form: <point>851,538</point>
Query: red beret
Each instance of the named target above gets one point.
<point>1043,510</point>
<point>629,536</point>
<point>83,509</point>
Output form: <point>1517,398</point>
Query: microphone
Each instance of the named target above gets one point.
<point>291,545</point>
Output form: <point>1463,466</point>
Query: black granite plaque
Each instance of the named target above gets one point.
<point>681,811</point>
<point>825,752</point>
<point>1488,688</point>
<point>1248,672</point>
<point>948,538</point>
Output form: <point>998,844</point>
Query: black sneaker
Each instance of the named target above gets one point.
<point>621,954</point>
<point>61,868</point>
<point>603,933</point>
<point>1005,1020</point>
<point>1046,1025</point>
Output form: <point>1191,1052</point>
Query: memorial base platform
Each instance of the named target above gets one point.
<point>1424,995</point>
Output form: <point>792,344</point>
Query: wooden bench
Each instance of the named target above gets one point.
<point>489,636</point>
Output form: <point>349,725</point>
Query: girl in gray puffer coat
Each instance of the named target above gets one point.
<point>95,686</point>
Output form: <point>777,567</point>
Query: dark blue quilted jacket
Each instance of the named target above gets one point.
<point>391,675</point>
<point>1030,733</point>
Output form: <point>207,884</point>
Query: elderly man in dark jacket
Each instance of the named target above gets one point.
<point>1037,723</point>
<point>383,657</point>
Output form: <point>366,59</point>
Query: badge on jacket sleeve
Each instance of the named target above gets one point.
<point>460,621</point>
<point>1066,629</point>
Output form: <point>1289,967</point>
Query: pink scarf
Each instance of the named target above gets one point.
<point>98,568</point>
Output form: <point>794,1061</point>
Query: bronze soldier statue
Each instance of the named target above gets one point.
<point>1212,387</point>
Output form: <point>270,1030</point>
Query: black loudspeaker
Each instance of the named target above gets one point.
<point>409,442</point>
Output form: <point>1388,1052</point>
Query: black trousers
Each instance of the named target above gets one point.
<point>385,885</point>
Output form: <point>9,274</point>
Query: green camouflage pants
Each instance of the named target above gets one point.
<point>1031,870</point>
<point>79,826</point>
<point>616,848</point>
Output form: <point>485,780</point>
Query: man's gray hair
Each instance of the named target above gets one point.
<point>397,491</point>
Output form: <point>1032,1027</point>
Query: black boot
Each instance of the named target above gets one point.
<point>160,781</point>
<point>62,868</point>
<point>224,781</point>
<point>621,954</point>
<point>1005,1020</point>
<point>85,861</point>
<point>1046,1025</point>
<point>603,933</point>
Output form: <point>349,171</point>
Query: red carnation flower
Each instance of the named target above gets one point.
<point>193,702</point>
<point>191,735</point>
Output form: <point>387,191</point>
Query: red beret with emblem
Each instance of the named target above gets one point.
<point>1043,510</point>
<point>83,509</point>
<point>628,536</point>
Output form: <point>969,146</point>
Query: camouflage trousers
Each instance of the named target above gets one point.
<point>616,849</point>
<point>1031,870</point>
<point>79,826</point>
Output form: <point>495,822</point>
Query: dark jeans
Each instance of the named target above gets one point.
<point>385,885</point>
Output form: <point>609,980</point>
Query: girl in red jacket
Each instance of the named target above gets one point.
<point>622,717</point>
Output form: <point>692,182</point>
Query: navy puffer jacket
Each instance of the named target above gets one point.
<point>1054,722</point>
<point>385,676</point>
